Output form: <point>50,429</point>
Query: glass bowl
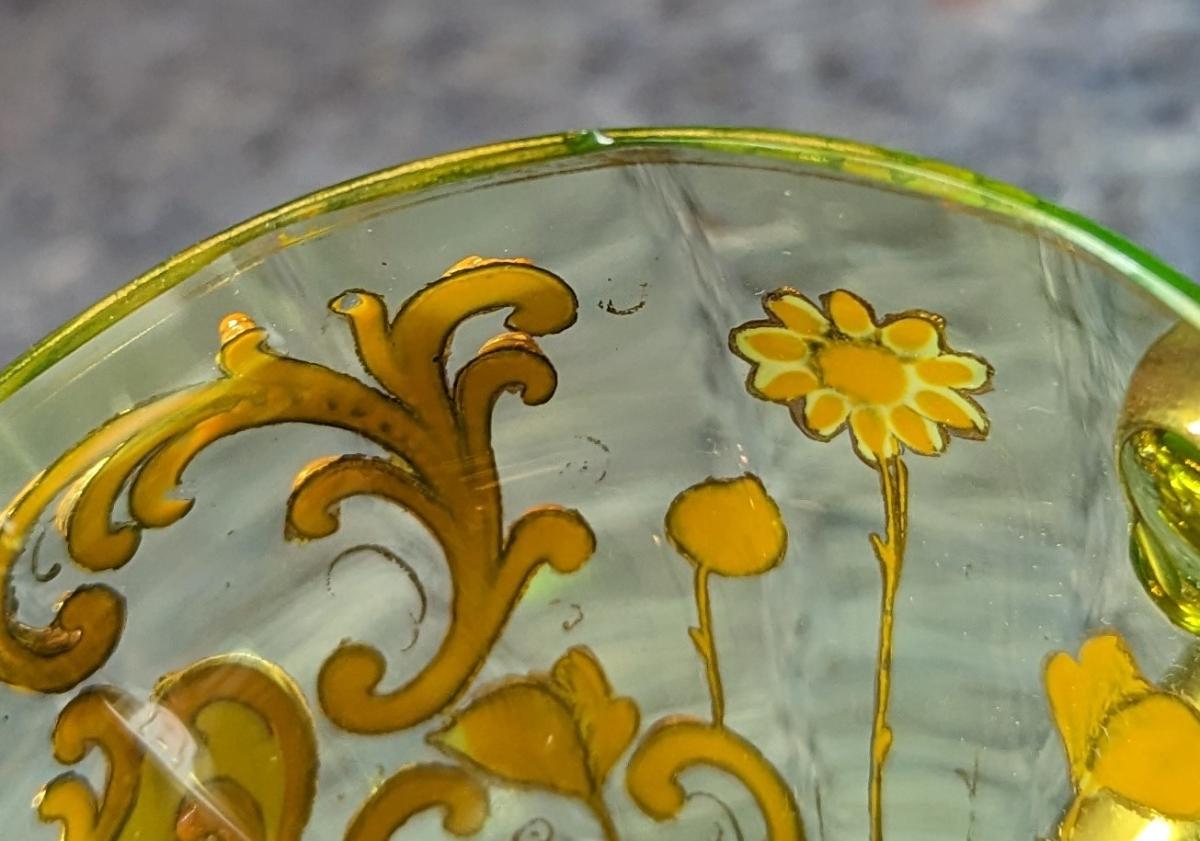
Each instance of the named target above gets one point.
<point>676,483</point>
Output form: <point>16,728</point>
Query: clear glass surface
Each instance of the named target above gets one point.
<point>1018,545</point>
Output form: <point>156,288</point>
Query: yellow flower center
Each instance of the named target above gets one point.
<point>863,373</point>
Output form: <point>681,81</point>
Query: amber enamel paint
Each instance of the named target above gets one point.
<point>234,758</point>
<point>889,551</point>
<point>462,799</point>
<point>249,744</point>
<point>864,374</point>
<point>728,528</point>
<point>676,744</point>
<point>562,732</point>
<point>731,528</point>
<point>1127,741</point>
<point>898,387</point>
<point>439,466</point>
<point>442,470</point>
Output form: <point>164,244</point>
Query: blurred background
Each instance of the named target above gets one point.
<point>131,128</point>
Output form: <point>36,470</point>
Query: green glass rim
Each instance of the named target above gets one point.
<point>899,170</point>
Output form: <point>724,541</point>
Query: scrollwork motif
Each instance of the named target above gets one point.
<point>223,750</point>
<point>565,730</point>
<point>416,789</point>
<point>676,744</point>
<point>438,466</point>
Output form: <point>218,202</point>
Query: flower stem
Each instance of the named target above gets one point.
<point>1066,828</point>
<point>889,550</point>
<point>603,817</point>
<point>702,637</point>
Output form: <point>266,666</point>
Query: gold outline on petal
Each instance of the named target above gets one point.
<point>796,407</point>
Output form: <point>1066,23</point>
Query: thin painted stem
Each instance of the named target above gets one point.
<point>889,550</point>
<point>603,817</point>
<point>1070,820</point>
<point>707,647</point>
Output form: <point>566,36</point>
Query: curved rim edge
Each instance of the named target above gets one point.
<point>901,169</point>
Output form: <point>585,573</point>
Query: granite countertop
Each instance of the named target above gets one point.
<point>131,128</point>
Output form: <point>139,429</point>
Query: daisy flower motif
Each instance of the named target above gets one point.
<point>893,381</point>
<point>898,386</point>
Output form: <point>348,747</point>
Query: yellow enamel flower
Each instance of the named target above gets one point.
<point>893,381</point>
<point>1122,734</point>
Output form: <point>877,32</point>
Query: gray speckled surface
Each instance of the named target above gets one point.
<point>131,128</point>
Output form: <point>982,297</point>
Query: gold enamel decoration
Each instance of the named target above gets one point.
<point>223,751</point>
<point>1131,747</point>
<point>416,789</point>
<point>897,386</point>
<point>564,731</point>
<point>439,466</point>
<point>732,528</point>
<point>1158,452</point>
<point>560,732</point>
